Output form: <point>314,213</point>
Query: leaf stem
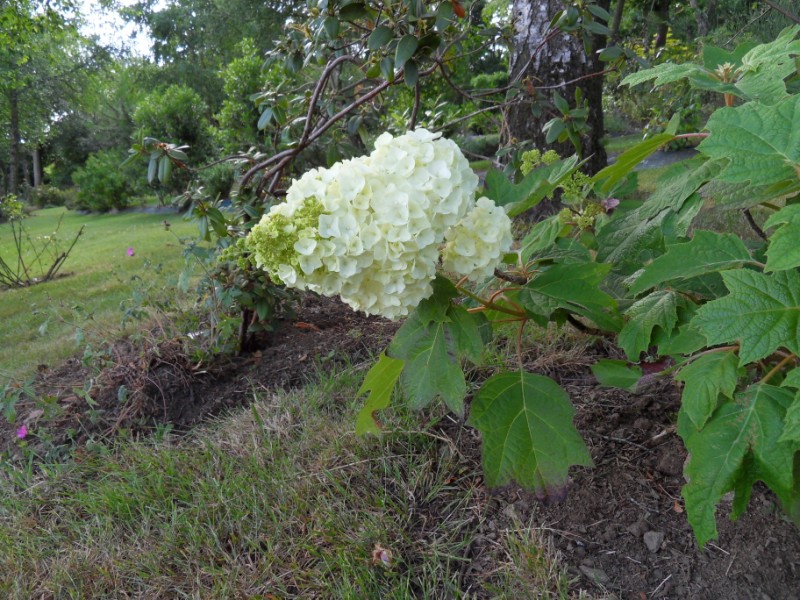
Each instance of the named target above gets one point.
<point>694,357</point>
<point>776,369</point>
<point>491,305</point>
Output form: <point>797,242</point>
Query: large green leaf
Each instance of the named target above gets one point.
<point>617,374</point>
<point>379,382</point>
<point>659,309</point>
<point>762,143</point>
<point>662,74</point>
<point>784,251</point>
<point>573,287</point>
<point>433,369</point>
<point>626,161</point>
<point>791,430</point>
<point>534,187</point>
<point>738,446</point>
<point>633,236</point>
<point>705,379</point>
<point>432,342</point>
<point>706,252</point>
<point>528,435</point>
<point>761,313</point>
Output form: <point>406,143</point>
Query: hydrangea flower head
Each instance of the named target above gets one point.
<point>369,229</point>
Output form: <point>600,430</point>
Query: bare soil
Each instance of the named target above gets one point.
<point>622,529</point>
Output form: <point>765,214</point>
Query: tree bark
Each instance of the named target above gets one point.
<point>553,64</point>
<point>37,166</point>
<point>16,137</point>
<point>619,8</point>
<point>662,12</point>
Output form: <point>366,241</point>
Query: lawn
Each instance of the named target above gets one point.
<point>38,324</point>
<point>280,500</point>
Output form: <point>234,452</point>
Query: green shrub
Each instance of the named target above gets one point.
<point>11,209</point>
<point>48,195</point>
<point>218,180</point>
<point>102,184</point>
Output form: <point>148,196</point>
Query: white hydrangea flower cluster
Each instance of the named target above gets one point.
<point>369,229</point>
<point>475,246</point>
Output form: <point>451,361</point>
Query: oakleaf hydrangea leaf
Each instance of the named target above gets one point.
<point>617,374</point>
<point>707,252</point>
<point>659,309</point>
<point>738,446</point>
<point>761,142</point>
<point>434,370</point>
<point>379,382</point>
<point>761,313</point>
<point>432,342</point>
<point>784,251</point>
<point>705,379</point>
<point>572,287</point>
<point>528,436</point>
<point>792,379</point>
<point>791,430</point>
<point>663,74</point>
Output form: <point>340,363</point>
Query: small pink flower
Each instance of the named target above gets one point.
<point>22,432</point>
<point>130,251</point>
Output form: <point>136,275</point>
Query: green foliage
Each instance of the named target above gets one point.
<point>102,184</point>
<point>528,435</point>
<point>701,306</point>
<point>750,73</point>
<point>739,446</point>
<point>47,195</point>
<point>761,313</point>
<point>176,113</point>
<point>379,383</point>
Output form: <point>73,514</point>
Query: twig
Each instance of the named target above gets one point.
<point>412,122</point>
<point>667,578</point>
<point>783,11</point>
<point>753,225</point>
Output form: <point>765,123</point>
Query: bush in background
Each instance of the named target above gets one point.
<point>102,184</point>
<point>49,195</point>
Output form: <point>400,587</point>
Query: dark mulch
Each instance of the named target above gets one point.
<point>622,529</point>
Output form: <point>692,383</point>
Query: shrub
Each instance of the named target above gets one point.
<point>48,195</point>
<point>102,184</point>
<point>218,180</point>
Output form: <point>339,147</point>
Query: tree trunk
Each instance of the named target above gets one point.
<point>703,16</point>
<point>16,136</point>
<point>619,7</point>
<point>37,166</point>
<point>551,65</point>
<point>662,12</point>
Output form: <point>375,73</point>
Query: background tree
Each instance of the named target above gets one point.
<point>545,60</point>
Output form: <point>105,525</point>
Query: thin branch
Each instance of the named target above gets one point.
<point>753,225</point>
<point>412,122</point>
<point>576,80</point>
<point>783,11</point>
<point>776,369</point>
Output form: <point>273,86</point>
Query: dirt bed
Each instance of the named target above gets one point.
<point>622,530</point>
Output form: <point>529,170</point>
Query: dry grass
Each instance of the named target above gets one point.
<point>279,500</point>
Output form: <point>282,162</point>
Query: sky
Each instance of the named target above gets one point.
<point>111,30</point>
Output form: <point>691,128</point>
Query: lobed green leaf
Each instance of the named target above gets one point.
<point>761,313</point>
<point>739,445</point>
<point>379,382</point>
<point>528,435</point>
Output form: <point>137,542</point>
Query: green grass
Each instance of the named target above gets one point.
<point>101,277</point>
<point>277,501</point>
